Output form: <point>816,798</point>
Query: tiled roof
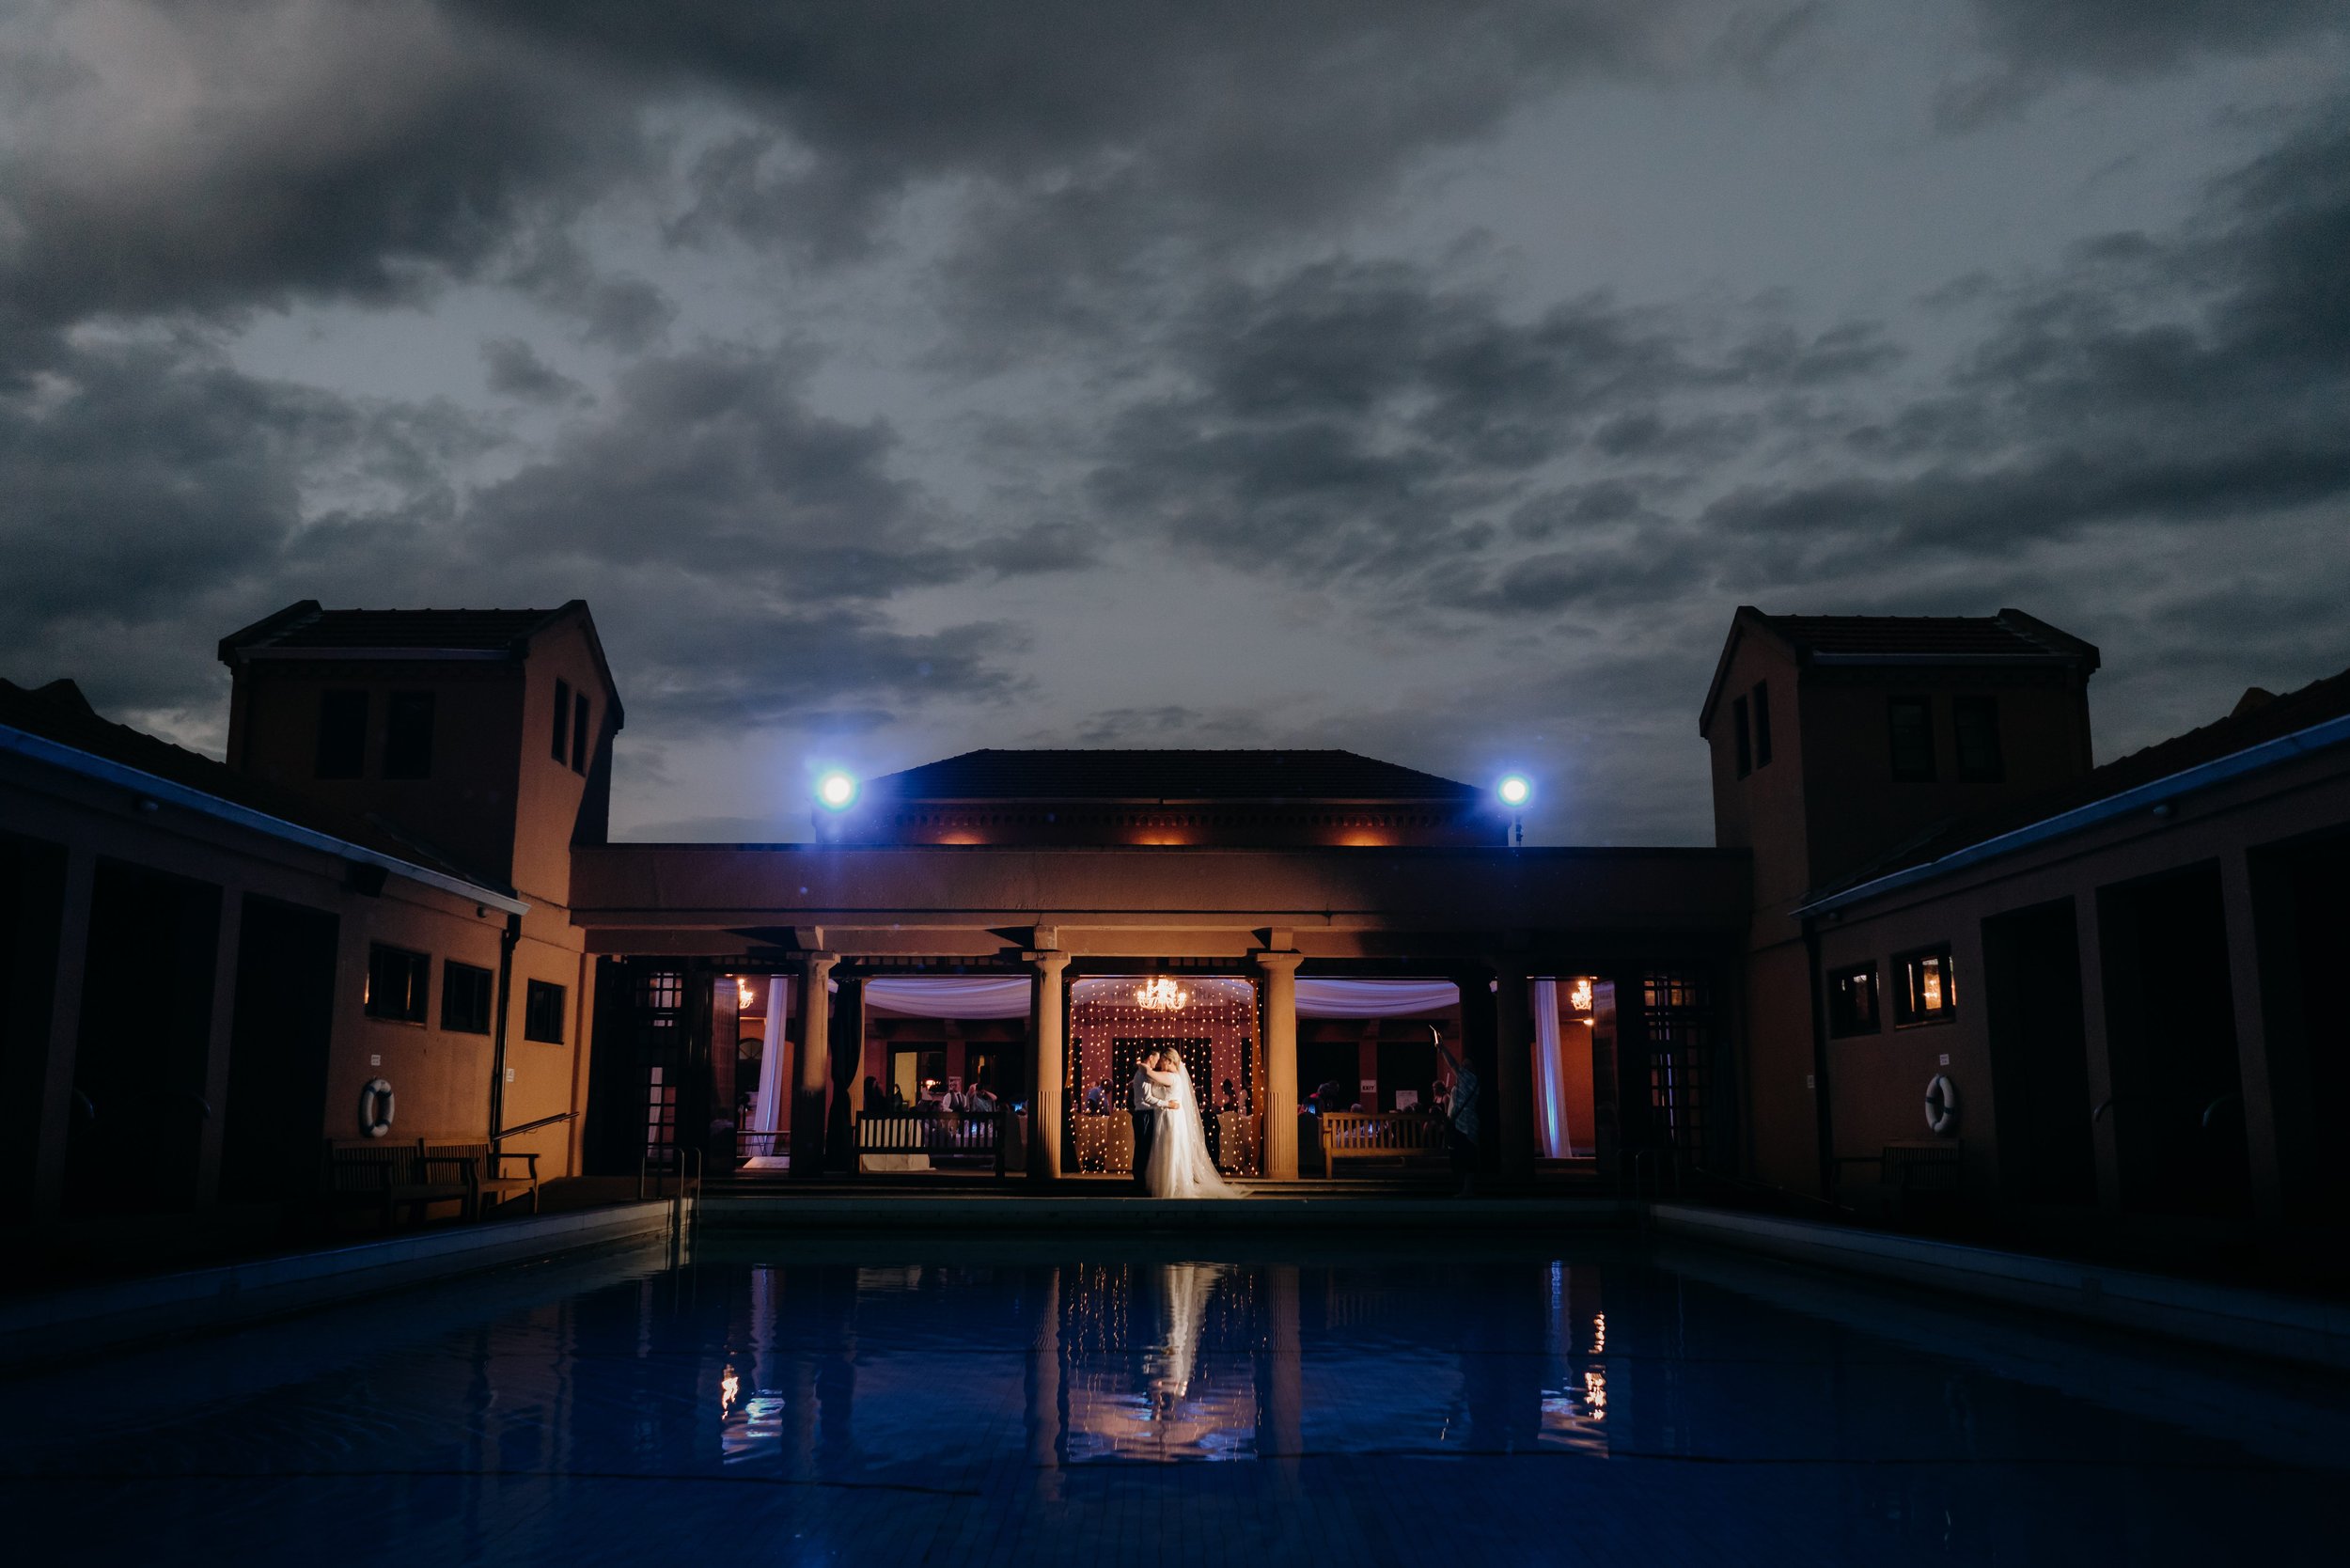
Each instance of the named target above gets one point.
<point>58,712</point>
<point>307,625</point>
<point>1167,776</point>
<point>2253,722</point>
<point>2009,634</point>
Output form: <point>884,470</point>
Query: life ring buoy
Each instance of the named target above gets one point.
<point>375,1108</point>
<point>1942,1103</point>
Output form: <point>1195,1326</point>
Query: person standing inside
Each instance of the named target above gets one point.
<point>1460,1102</point>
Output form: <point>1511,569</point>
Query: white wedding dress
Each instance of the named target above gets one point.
<point>1180,1165</point>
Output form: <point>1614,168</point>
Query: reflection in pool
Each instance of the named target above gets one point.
<point>1062,1401</point>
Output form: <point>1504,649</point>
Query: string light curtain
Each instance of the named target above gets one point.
<point>1215,1031</point>
<point>767,1114</point>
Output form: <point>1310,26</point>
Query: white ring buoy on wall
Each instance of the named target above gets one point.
<point>1942,1103</point>
<point>375,1108</point>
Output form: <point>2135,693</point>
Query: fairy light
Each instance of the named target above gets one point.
<point>1215,1025</point>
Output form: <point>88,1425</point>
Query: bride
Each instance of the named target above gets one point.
<point>1179,1166</point>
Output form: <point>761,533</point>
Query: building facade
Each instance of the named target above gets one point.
<point>2102,983</point>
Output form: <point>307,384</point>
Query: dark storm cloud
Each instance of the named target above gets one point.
<point>515,370</point>
<point>226,153</point>
<point>1353,420</point>
<point>2037,43</point>
<point>2199,379</point>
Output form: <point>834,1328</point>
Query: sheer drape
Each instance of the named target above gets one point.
<point>767,1116</point>
<point>1550,1074</point>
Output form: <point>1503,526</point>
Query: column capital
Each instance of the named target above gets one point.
<point>1049,961</point>
<point>1278,962</point>
<point>817,963</point>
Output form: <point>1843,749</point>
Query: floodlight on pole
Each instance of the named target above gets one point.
<point>835,790</point>
<point>1515,789</point>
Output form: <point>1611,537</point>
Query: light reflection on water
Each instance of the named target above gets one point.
<point>834,1402</point>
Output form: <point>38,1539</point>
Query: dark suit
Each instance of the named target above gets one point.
<point>1146,1130</point>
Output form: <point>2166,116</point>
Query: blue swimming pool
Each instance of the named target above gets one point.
<point>1000,1400</point>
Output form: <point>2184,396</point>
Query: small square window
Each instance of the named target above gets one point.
<point>407,736</point>
<point>579,733</point>
<point>1976,723</point>
<point>542,1013</point>
<point>1852,1001</point>
<point>1762,724</point>
<point>1740,737</point>
<point>1925,990</point>
<point>342,734</point>
<point>465,997</point>
<point>396,980</point>
<point>1911,721</point>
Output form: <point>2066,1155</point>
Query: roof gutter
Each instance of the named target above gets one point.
<point>75,761</point>
<point>2255,758</point>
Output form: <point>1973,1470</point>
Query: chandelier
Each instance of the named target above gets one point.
<point>1579,998</point>
<point>1161,996</point>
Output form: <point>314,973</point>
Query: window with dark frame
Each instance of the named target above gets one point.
<point>1924,991</point>
<point>579,733</point>
<point>1974,721</point>
<point>1852,1001</point>
<point>466,993</point>
<point>396,982</point>
<point>562,720</point>
<point>1910,721</point>
<point>407,736</point>
<point>1740,738</point>
<point>342,734</point>
<point>542,1013</point>
<point>1762,724</point>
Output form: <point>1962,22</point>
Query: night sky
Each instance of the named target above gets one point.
<point>1427,379</point>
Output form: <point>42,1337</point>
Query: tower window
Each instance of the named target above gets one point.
<point>1744,742</point>
<point>407,736</point>
<point>1910,719</point>
<point>1975,721</point>
<point>342,734</point>
<point>1762,724</point>
<point>579,733</point>
<point>562,720</point>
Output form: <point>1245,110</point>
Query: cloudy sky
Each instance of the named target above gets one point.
<point>1427,379</point>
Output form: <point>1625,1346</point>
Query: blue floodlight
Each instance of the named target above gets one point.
<point>835,790</point>
<point>1515,789</point>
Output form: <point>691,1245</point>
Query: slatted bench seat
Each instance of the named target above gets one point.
<point>389,1174</point>
<point>1911,1175</point>
<point>484,1172</point>
<point>1398,1138</point>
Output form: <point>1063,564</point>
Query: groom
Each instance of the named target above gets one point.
<point>1151,1094</point>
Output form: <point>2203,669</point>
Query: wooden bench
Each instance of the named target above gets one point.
<point>1405,1137</point>
<point>483,1167</point>
<point>390,1174</point>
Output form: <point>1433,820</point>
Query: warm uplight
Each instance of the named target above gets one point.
<point>1162,996</point>
<point>836,790</point>
<point>1515,789</point>
<point>1579,996</point>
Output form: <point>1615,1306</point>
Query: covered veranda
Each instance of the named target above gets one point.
<point>953,988</point>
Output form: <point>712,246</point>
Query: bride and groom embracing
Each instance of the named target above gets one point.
<point>1171,1157</point>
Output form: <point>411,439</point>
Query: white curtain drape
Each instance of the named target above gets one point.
<point>767,1116</point>
<point>952,996</point>
<point>1550,1074</point>
<point>1319,996</point>
<point>1007,996</point>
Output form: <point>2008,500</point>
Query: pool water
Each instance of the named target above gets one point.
<point>1074,1401</point>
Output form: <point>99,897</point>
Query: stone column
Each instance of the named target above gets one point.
<point>2255,1040</point>
<point>1052,1046</point>
<point>1280,1064</point>
<point>65,1031</point>
<point>1513,1071</point>
<point>814,1065</point>
<point>226,958</point>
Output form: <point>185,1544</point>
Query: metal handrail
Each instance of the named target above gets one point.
<point>532,1126</point>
